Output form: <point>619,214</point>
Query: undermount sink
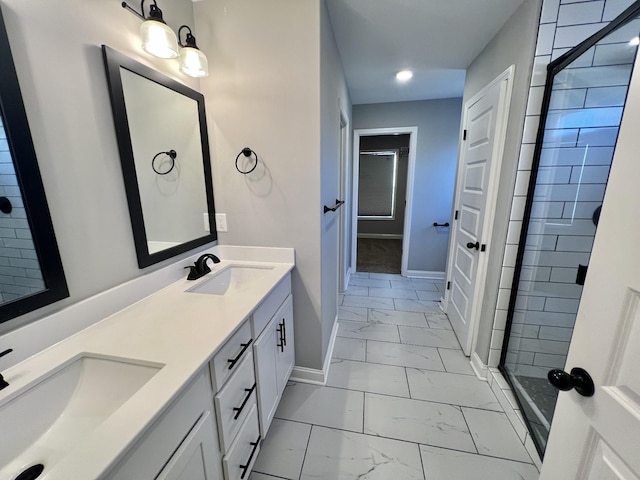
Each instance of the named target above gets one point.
<point>230,279</point>
<point>60,409</point>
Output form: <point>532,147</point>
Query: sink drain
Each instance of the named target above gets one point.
<point>31,473</point>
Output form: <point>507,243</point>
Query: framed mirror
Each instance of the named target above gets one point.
<point>31,273</point>
<point>162,138</point>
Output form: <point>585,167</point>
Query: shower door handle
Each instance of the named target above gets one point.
<point>472,245</point>
<point>578,379</point>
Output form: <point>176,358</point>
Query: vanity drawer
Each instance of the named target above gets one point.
<point>235,401</point>
<point>242,455</point>
<point>228,359</point>
<point>262,315</point>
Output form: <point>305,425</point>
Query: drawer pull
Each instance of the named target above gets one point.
<point>239,409</point>
<point>282,343</point>
<point>245,468</point>
<point>284,333</point>
<point>233,361</point>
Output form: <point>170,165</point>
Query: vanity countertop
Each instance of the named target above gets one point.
<point>172,327</point>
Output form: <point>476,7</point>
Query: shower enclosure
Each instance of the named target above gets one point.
<point>584,99</point>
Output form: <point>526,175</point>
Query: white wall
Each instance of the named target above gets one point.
<point>56,48</point>
<point>438,123</point>
<point>513,45</point>
<point>264,91</point>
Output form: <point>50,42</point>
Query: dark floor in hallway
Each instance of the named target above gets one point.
<point>378,255</point>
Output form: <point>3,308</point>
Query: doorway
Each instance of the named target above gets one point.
<point>384,162</point>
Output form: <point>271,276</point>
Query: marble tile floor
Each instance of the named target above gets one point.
<point>401,401</point>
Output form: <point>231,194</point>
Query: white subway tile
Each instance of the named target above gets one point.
<point>538,346</point>
<point>553,175</point>
<point>564,99</point>
<point>595,174</point>
<point>539,74</point>
<point>534,274</point>
<point>580,209</point>
<point>534,103</point>
<point>586,117</point>
<point>556,333</point>
<point>568,37</point>
<point>522,183</point>
<point>510,253</point>
<point>560,138</point>
<point>513,235</point>
<point>598,137</point>
<point>564,274</point>
<point>613,8</point>
<point>503,299</point>
<point>494,358</point>
<point>603,76</point>
<point>541,242</point>
<point>548,210</point>
<point>506,278</point>
<point>531,124</point>
<point>580,13</point>
<point>526,156</point>
<point>574,244</point>
<point>500,319</point>
<point>569,192</point>
<point>576,156</point>
<point>549,360</point>
<point>529,303</point>
<point>555,259</point>
<point>624,33</point>
<point>562,305</point>
<point>606,96</point>
<point>517,208</point>
<point>546,34</point>
<point>497,338</point>
<point>562,227</point>
<point>613,54</point>
<point>549,11</point>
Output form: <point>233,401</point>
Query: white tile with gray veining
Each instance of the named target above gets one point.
<point>334,454</point>
<point>402,355</point>
<point>409,305</point>
<point>394,317</point>
<point>368,302</point>
<point>352,314</point>
<point>451,388</point>
<point>350,349</point>
<point>368,331</point>
<point>438,320</point>
<point>455,361</point>
<point>417,421</point>
<point>368,377</point>
<point>445,464</point>
<point>429,337</point>
<point>283,455</point>
<point>393,293</point>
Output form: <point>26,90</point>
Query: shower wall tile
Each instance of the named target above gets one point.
<point>568,37</point>
<point>613,8</point>
<point>595,174</point>
<point>549,360</point>
<point>549,11</point>
<point>564,275</point>
<point>555,333</point>
<point>539,75</point>
<point>575,244</point>
<point>546,35</point>
<point>575,14</point>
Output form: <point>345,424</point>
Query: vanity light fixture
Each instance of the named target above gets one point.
<point>404,75</point>
<point>192,61</point>
<point>157,37</point>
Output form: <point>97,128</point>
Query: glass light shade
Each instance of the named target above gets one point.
<point>193,62</point>
<point>158,39</point>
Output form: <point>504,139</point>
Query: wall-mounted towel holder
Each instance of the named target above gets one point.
<point>436,224</point>
<point>335,207</point>
<point>247,152</point>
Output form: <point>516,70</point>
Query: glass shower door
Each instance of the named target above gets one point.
<point>583,105</point>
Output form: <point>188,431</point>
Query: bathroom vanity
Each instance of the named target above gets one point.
<point>182,384</point>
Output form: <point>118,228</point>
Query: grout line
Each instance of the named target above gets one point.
<point>424,473</point>
<point>469,429</point>
<point>306,450</point>
<point>405,343</point>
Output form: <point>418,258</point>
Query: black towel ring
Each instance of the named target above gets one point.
<point>171,154</point>
<point>247,152</point>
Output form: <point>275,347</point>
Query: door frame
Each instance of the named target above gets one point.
<point>406,230</point>
<point>344,270</point>
<point>492,196</point>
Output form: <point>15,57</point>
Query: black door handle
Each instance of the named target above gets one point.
<point>474,245</point>
<point>578,379</point>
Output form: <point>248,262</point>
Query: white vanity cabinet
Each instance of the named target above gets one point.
<point>182,444</point>
<point>273,350</point>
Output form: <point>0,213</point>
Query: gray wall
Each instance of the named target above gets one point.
<point>272,88</point>
<point>438,123</point>
<point>56,48</point>
<point>513,45</point>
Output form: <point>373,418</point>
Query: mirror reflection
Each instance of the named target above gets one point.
<point>162,138</point>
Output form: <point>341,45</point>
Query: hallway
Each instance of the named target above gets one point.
<point>401,401</point>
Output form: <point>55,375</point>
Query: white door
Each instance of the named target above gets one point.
<point>597,438</point>
<point>480,153</point>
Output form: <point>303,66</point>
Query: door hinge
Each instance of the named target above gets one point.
<point>456,215</point>
<point>483,248</point>
<point>448,285</point>
<point>464,134</point>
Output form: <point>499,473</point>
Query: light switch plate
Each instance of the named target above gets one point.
<point>221,222</point>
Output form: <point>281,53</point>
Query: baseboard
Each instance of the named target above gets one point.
<point>313,375</point>
<point>382,236</point>
<point>480,369</point>
<point>426,274</point>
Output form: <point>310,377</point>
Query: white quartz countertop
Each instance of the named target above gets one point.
<point>172,327</point>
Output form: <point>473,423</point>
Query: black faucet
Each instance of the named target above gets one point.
<point>3,382</point>
<point>200,269</point>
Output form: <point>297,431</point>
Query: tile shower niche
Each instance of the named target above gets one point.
<point>583,105</point>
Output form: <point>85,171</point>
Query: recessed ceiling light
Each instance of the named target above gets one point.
<point>404,75</point>
<point>635,41</point>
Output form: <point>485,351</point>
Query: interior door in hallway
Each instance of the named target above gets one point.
<point>484,125</point>
<point>596,438</point>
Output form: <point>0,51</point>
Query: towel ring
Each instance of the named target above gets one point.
<point>247,152</point>
<point>171,154</point>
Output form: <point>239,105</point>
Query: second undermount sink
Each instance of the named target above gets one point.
<point>57,411</point>
<point>231,278</point>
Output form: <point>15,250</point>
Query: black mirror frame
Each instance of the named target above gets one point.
<point>114,60</point>
<point>25,163</point>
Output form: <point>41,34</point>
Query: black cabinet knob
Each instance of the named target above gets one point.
<point>578,379</point>
<point>474,245</point>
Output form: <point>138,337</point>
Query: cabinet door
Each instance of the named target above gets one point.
<point>264,350</point>
<point>194,459</point>
<point>285,353</point>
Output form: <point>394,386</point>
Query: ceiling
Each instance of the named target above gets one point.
<point>436,39</point>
